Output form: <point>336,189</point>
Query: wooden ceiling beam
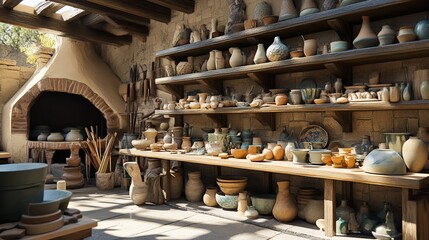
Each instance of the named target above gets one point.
<point>186,6</point>
<point>92,19</point>
<point>127,26</point>
<point>10,3</point>
<point>73,14</point>
<point>61,28</point>
<point>138,8</point>
<point>47,8</point>
<point>102,10</point>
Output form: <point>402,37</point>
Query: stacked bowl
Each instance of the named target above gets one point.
<point>230,187</point>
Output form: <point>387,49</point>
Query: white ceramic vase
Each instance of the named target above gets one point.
<point>415,154</point>
<point>260,56</point>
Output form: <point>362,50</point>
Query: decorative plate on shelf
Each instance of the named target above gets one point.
<point>314,133</point>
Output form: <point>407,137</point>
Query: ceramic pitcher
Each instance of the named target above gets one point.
<point>236,58</point>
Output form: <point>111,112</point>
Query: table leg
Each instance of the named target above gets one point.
<point>409,215</point>
<point>329,205</point>
<point>166,183</point>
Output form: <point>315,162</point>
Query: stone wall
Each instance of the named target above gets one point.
<point>12,78</point>
<point>369,123</point>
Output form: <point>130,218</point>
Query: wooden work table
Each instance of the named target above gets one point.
<point>408,182</point>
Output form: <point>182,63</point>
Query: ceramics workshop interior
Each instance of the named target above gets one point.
<point>305,117</point>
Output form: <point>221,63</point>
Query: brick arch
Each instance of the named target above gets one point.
<point>21,109</point>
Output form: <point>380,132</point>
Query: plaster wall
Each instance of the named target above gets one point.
<point>369,123</point>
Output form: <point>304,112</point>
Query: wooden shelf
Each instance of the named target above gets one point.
<point>362,106</point>
<point>409,181</point>
<point>376,9</point>
<point>386,53</point>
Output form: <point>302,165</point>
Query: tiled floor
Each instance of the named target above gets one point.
<point>119,218</point>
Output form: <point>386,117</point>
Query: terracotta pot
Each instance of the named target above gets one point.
<point>209,197</point>
<point>406,34</point>
<point>386,35</point>
<point>310,47</point>
<point>284,209</point>
<point>281,99</point>
<point>250,23</point>
<point>211,64</point>
<point>366,37</point>
<point>267,20</point>
<point>277,51</point>
<point>194,188</point>
<point>308,7</point>
<point>278,152</point>
<point>287,10</point>
<point>415,154</point>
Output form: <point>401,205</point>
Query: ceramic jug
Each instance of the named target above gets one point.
<point>366,37</point>
<point>260,56</point>
<point>284,209</point>
<point>287,10</point>
<point>236,58</point>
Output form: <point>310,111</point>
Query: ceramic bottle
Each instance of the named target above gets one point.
<point>366,37</point>
<point>284,209</point>
<point>415,154</point>
<point>287,10</point>
<point>277,51</point>
<point>211,63</point>
<point>260,56</point>
<point>407,93</point>
<point>236,58</point>
<point>343,211</point>
<point>209,197</point>
<point>288,151</point>
<point>395,95</point>
<point>219,60</point>
<point>194,188</point>
<point>338,85</point>
<point>386,35</point>
<point>424,90</point>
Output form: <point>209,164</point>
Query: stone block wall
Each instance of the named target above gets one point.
<point>12,78</point>
<point>372,123</point>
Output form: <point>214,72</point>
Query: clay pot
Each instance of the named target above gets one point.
<point>385,95</point>
<point>406,34</point>
<point>395,95</point>
<point>267,20</point>
<point>176,185</point>
<point>186,143</point>
<point>313,210</point>
<point>209,197</point>
<point>284,209</point>
<point>310,47</point>
<point>236,57</point>
<point>242,202</point>
<point>278,152</point>
<point>287,10</point>
<point>366,37</point>
<point>338,85</point>
<point>386,35</point>
<point>261,10</point>
<point>55,137</point>
<point>74,135</point>
<point>219,60</point>
<point>281,99</point>
<point>211,64</point>
<point>250,23</point>
<point>415,154</point>
<point>308,7</point>
<point>277,51</point>
<point>251,212</point>
<point>424,90</point>
<point>42,136</point>
<point>260,56</point>
<point>194,188</point>
<point>184,68</point>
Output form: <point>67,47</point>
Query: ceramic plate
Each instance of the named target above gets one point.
<point>314,133</point>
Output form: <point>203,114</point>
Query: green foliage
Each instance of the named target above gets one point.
<point>25,40</point>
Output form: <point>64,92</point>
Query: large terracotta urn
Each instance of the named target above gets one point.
<point>415,154</point>
<point>194,188</point>
<point>284,209</point>
<point>366,37</point>
<point>176,185</point>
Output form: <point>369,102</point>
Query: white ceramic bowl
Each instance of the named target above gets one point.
<point>339,46</point>
<point>316,155</point>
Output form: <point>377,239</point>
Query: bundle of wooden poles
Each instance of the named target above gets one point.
<point>99,150</point>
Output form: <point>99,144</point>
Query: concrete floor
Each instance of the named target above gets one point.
<point>119,218</point>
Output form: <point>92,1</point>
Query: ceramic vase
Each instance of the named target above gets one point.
<point>386,35</point>
<point>415,154</point>
<point>310,47</point>
<point>385,95</point>
<point>422,29</point>
<point>313,210</point>
<point>407,92</point>
<point>344,211</point>
<point>288,151</point>
<point>284,209</point>
<point>420,75</point>
<point>308,7</point>
<point>261,10</point>
<point>242,202</point>
<point>209,197</point>
<point>74,135</point>
<point>277,51</point>
<point>176,185</point>
<point>219,60</point>
<point>406,34</point>
<point>194,188</point>
<point>211,63</point>
<point>278,152</point>
<point>260,56</point>
<point>55,137</point>
<point>186,143</point>
<point>281,99</point>
<point>251,212</point>
<point>338,85</point>
<point>366,37</point>
<point>287,10</point>
<point>236,58</point>
<point>424,90</point>
<point>395,95</point>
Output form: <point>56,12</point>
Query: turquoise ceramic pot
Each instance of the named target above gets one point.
<point>264,203</point>
<point>229,202</point>
<point>20,184</point>
<point>384,161</point>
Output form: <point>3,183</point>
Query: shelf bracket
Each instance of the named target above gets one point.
<point>266,81</point>
<point>265,119</point>
<point>219,119</point>
<point>343,118</point>
<point>213,85</point>
<point>175,90</point>
<point>342,28</point>
<point>340,71</point>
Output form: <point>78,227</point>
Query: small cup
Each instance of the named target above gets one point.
<point>339,46</point>
<point>253,149</point>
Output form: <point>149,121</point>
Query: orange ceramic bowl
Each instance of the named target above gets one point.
<point>338,160</point>
<point>239,153</point>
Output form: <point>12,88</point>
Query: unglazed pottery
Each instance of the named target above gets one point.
<point>284,209</point>
<point>236,58</point>
<point>264,204</point>
<point>308,7</point>
<point>209,197</point>
<point>424,90</point>
<point>104,181</point>
<point>395,95</point>
<point>366,37</point>
<point>384,161</point>
<point>261,10</point>
<point>341,227</point>
<point>74,135</point>
<point>55,137</point>
<point>313,210</point>
<point>316,156</point>
<point>260,56</point>
<point>242,202</point>
<point>219,60</point>
<point>406,34</point>
<point>295,96</point>
<point>250,23</point>
<point>211,63</point>
<point>194,188</point>
<point>277,51</point>
<point>287,10</point>
<point>386,35</point>
<point>415,154</point>
<point>310,47</point>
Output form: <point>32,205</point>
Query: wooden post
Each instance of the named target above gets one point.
<point>329,205</point>
<point>409,215</point>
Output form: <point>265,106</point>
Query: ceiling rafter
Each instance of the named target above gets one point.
<point>127,26</point>
<point>95,8</point>
<point>139,8</point>
<point>73,14</point>
<point>61,28</point>
<point>47,8</point>
<point>10,3</point>
<point>186,6</point>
